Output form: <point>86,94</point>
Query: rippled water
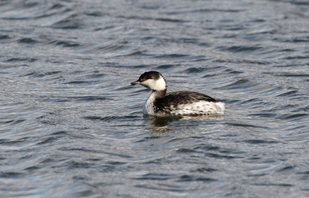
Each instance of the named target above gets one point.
<point>71,126</point>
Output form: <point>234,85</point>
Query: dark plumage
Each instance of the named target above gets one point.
<point>149,75</point>
<point>166,103</point>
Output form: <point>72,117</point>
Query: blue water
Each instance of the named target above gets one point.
<point>72,126</point>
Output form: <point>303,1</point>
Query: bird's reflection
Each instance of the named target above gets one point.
<point>161,123</point>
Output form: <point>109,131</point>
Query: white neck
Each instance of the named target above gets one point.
<point>149,108</point>
<point>160,84</point>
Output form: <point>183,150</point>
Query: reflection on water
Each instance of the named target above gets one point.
<point>161,123</point>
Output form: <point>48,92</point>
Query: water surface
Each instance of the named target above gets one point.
<point>72,126</point>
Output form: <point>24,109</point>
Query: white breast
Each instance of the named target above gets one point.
<point>148,108</point>
<point>200,108</point>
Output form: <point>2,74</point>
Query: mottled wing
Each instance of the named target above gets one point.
<point>172,100</point>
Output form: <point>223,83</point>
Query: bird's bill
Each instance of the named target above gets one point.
<point>135,83</point>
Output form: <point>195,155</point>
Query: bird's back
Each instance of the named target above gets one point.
<point>188,103</point>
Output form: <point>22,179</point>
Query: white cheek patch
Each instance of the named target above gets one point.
<point>148,83</point>
<point>157,85</point>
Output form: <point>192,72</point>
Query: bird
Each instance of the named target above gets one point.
<point>179,103</point>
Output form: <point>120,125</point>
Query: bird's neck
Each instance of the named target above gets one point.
<point>149,106</point>
<point>158,94</point>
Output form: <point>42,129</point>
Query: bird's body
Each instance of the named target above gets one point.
<point>176,103</point>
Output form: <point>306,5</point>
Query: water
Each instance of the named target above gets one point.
<point>72,126</point>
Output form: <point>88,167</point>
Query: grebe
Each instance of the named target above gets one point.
<point>180,103</point>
